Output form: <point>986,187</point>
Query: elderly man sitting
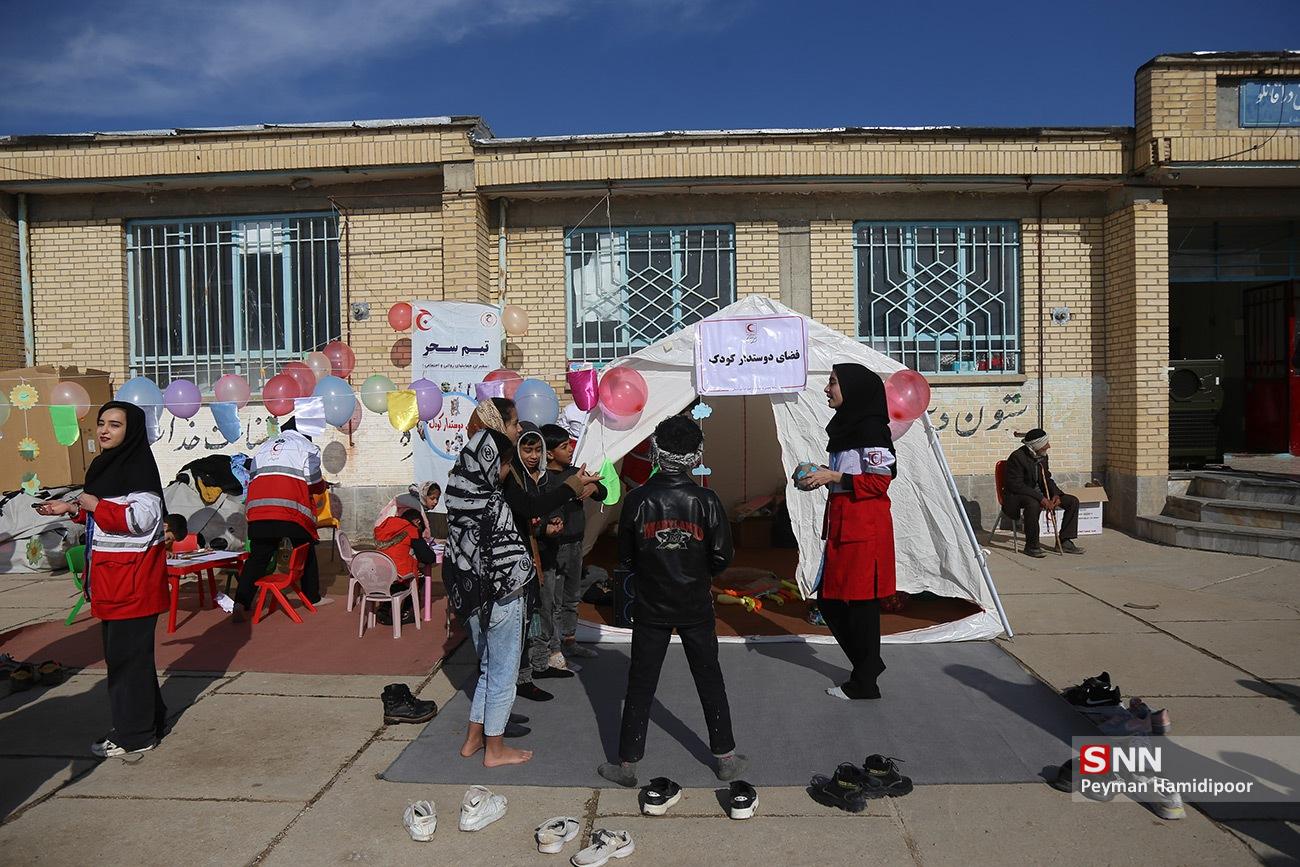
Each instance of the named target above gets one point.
<point>1028,488</point>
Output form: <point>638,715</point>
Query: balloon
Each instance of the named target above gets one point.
<point>342,358</point>
<point>428,397</point>
<point>584,387</point>
<point>69,394</point>
<point>353,423</point>
<point>623,391</point>
<point>231,388</point>
<point>278,394</point>
<point>182,398</point>
<point>302,374</point>
<point>374,392</point>
<point>319,363</point>
<point>488,390</point>
<point>908,395</point>
<point>618,422</point>
<point>897,429</point>
<point>399,316</point>
<point>537,402</point>
<point>515,319</point>
<point>340,401</point>
<point>511,379</point>
<point>142,392</point>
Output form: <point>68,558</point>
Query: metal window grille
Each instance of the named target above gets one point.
<point>215,296</point>
<point>941,297</point>
<point>628,288</point>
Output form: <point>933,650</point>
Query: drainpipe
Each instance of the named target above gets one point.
<point>501,252</point>
<point>25,270</point>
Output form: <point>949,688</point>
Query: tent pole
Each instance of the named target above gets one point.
<point>965,521</point>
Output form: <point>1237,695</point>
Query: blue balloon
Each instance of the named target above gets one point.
<point>339,399</point>
<point>142,392</point>
<point>537,402</point>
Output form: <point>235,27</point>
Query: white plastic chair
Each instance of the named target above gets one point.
<point>375,574</point>
<point>346,553</point>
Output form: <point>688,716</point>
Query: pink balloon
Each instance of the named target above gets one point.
<point>585,388</point>
<point>399,316</point>
<point>278,394</point>
<point>618,422</point>
<point>319,363</point>
<point>231,388</point>
<point>511,379</point>
<point>182,398</point>
<point>354,422</point>
<point>71,393</point>
<point>301,374</point>
<point>623,391</point>
<point>342,358</point>
<point>908,395</point>
<point>898,428</point>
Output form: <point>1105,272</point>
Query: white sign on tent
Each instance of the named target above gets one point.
<point>760,355</point>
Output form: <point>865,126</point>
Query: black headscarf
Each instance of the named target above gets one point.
<point>129,468</point>
<point>862,420</point>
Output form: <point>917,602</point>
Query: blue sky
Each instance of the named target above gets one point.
<point>545,67</point>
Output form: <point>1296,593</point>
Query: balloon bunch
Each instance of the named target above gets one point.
<point>908,396</point>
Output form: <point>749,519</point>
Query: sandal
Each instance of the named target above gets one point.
<point>50,673</point>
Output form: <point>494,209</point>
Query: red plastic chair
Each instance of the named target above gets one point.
<point>999,475</point>
<point>276,583</point>
<point>186,545</point>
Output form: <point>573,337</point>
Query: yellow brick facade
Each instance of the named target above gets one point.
<point>11,314</point>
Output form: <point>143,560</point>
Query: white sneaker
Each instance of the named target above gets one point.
<point>1166,805</point>
<point>421,821</point>
<point>480,808</point>
<point>554,833</point>
<point>106,749</point>
<point>604,845</point>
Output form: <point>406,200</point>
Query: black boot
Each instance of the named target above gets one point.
<point>402,707</point>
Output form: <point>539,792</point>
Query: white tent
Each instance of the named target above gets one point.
<point>936,548</point>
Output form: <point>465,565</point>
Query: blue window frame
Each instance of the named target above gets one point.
<point>941,297</point>
<point>210,296</point>
<point>628,287</point>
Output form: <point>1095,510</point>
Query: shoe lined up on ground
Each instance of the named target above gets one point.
<point>742,798</point>
<point>421,820</point>
<point>1166,805</point>
<point>400,706</point>
<point>1093,692</point>
<point>17,676</point>
<point>659,795</point>
<point>480,808</point>
<point>552,834</point>
<point>1136,719</point>
<point>1066,782</point>
<point>604,846</point>
<point>533,692</point>
<point>841,789</point>
<point>885,778</point>
<point>105,748</point>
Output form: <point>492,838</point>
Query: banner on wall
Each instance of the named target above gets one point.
<point>455,344</point>
<point>762,355</point>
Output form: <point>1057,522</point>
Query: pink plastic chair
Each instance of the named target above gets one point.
<point>375,574</point>
<point>347,553</point>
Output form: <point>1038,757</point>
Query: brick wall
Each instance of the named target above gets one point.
<point>758,259</point>
<point>535,282</point>
<point>11,292</point>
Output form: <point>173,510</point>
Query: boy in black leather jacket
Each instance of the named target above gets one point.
<point>674,538</point>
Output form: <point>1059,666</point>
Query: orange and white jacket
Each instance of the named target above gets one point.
<point>284,473</point>
<point>126,570</point>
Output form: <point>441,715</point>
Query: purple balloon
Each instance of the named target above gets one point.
<point>182,398</point>
<point>428,398</point>
<point>488,390</point>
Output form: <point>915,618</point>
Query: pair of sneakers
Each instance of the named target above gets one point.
<point>479,808</point>
<point>1140,720</point>
<point>1093,692</point>
<point>554,833</point>
<point>851,786</point>
<point>662,793</point>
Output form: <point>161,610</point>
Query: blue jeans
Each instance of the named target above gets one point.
<point>498,652</point>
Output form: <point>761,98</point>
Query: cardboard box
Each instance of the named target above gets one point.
<point>1090,512</point>
<point>55,465</point>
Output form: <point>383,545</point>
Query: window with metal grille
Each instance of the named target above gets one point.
<point>230,295</point>
<point>941,297</point>
<point>628,288</point>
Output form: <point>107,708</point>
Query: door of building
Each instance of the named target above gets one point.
<point>1272,370</point>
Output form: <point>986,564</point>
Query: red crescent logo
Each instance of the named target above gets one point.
<point>751,328</point>
<point>422,320</point>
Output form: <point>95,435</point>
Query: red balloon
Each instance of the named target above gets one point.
<point>511,379</point>
<point>908,395</point>
<point>342,358</point>
<point>623,391</point>
<point>278,394</point>
<point>301,374</point>
<point>399,316</point>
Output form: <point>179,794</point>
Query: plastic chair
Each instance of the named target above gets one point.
<point>277,583</point>
<point>325,519</point>
<point>375,573</point>
<point>76,557</point>
<point>348,554</point>
<point>999,474</point>
<point>184,546</point>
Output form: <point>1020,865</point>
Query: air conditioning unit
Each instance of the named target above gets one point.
<point>1195,399</point>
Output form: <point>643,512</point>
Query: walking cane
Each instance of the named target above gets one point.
<point>1051,513</point>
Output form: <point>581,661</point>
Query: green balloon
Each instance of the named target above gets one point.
<point>609,478</point>
<point>374,392</point>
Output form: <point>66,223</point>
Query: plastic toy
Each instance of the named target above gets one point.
<point>735,597</point>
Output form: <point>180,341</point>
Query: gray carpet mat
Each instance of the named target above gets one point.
<point>954,713</point>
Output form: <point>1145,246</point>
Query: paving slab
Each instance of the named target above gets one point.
<point>339,685</point>
<point>1232,716</point>
<point>27,778</point>
<point>244,746</point>
<point>8,583</point>
<point>1060,613</point>
<point>1012,577</point>
<point>1035,825</point>
<point>142,833</point>
<point>360,820</point>
<point>1174,604</point>
<point>1266,648</point>
<point>1116,554</point>
<point>1146,664</point>
<point>1276,584</point>
<point>1273,841</point>
<point>41,594</point>
<point>773,801</point>
<point>12,618</point>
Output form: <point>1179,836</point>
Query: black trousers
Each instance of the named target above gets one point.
<point>265,537</point>
<point>134,699</point>
<point>649,644</point>
<point>1032,508</point>
<point>856,626</point>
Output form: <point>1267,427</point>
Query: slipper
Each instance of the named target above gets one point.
<point>50,673</point>
<point>23,677</point>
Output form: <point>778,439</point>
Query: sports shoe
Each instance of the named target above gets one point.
<point>657,797</point>
<point>400,706</point>
<point>604,845</point>
<point>741,800</point>
<point>1066,781</point>
<point>1166,805</point>
<point>884,778</point>
<point>552,834</point>
<point>1160,723</point>
<point>480,808</point>
<point>421,821</point>
<point>839,790</point>
<point>559,660</point>
<point>579,651</point>
<point>1093,692</point>
<point>106,749</point>
<point>1127,725</point>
